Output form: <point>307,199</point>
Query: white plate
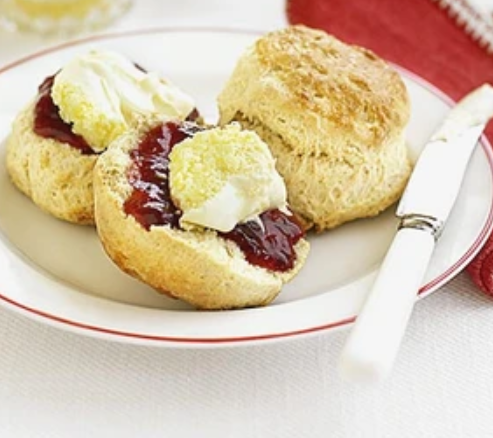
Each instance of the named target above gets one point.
<point>58,273</point>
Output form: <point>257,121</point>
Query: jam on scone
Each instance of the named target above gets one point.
<point>266,237</point>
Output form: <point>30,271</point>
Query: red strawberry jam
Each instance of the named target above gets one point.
<point>269,246</point>
<point>150,202</point>
<point>49,124</point>
<point>273,247</point>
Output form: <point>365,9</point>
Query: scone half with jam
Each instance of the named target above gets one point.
<point>57,138</point>
<point>198,214</point>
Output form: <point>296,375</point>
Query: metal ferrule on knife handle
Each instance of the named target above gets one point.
<point>422,222</point>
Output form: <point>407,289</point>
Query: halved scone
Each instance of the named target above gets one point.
<point>56,140</point>
<point>145,228</point>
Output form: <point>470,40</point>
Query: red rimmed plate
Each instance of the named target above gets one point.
<point>58,273</point>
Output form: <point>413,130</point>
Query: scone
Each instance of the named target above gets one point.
<point>334,117</point>
<point>56,140</point>
<point>200,215</point>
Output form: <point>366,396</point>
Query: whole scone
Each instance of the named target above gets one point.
<point>148,236</point>
<point>333,116</point>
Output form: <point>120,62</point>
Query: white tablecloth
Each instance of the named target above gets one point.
<point>57,384</point>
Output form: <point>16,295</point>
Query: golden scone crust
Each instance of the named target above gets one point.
<point>333,110</point>
<point>198,267</point>
<point>56,176</point>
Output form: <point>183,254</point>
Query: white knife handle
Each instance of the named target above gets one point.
<point>375,338</point>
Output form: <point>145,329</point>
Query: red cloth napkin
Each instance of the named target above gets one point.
<point>423,38</point>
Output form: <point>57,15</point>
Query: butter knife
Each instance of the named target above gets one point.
<point>430,194</point>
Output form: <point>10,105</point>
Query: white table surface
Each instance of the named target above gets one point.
<point>58,384</point>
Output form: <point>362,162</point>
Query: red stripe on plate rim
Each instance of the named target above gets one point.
<point>425,290</point>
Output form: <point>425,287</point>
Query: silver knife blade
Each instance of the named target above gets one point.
<point>438,173</point>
